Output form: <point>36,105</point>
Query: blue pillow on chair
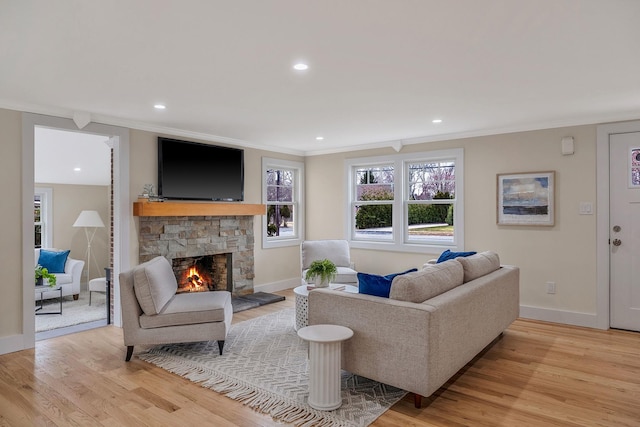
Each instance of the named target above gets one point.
<point>53,261</point>
<point>380,286</point>
<point>447,255</point>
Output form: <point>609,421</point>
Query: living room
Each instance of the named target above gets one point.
<point>567,253</point>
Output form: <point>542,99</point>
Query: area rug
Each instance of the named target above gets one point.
<point>74,312</point>
<point>265,366</point>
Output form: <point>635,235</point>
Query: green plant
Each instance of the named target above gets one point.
<point>324,269</point>
<point>42,273</point>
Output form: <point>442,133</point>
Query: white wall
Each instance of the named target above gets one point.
<point>564,253</point>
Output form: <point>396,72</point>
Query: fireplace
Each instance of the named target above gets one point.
<point>225,237</point>
<point>204,273</point>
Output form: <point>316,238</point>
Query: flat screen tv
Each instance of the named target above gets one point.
<point>194,171</point>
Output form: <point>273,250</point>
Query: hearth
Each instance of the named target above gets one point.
<point>204,273</point>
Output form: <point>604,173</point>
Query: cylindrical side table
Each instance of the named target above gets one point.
<point>325,343</point>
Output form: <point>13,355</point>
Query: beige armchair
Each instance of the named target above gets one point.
<point>336,251</point>
<point>152,312</point>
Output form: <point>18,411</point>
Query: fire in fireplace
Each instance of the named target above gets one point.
<point>203,273</point>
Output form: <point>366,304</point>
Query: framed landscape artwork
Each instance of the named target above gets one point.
<point>526,198</point>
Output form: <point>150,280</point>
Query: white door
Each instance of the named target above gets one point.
<point>624,230</point>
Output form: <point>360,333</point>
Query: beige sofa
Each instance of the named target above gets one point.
<point>435,321</point>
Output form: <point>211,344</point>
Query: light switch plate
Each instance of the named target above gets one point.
<point>586,208</point>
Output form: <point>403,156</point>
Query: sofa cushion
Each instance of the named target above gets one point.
<point>189,309</point>
<point>447,255</point>
<point>372,284</point>
<point>480,264</point>
<point>154,284</point>
<point>53,261</point>
<point>427,283</point>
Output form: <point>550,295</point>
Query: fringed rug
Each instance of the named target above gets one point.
<point>265,366</point>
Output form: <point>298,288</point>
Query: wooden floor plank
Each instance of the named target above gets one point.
<point>538,374</point>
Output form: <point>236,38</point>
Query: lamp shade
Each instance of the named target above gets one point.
<point>89,219</point>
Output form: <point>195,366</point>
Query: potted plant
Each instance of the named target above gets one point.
<point>322,271</point>
<point>42,273</point>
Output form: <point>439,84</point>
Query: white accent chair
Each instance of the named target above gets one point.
<point>69,280</point>
<point>152,312</point>
<point>336,251</point>
<point>99,284</point>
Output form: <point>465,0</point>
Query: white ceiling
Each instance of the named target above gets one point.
<point>380,70</point>
<point>63,157</point>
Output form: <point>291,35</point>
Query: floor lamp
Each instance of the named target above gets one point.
<point>89,220</point>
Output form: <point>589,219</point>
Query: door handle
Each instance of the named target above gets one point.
<point>617,242</point>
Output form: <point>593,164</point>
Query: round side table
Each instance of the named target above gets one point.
<point>302,302</point>
<point>325,345</point>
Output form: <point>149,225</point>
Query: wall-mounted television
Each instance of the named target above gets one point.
<point>195,171</point>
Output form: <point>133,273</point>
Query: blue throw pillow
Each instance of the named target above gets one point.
<point>53,261</point>
<point>447,255</point>
<point>380,286</point>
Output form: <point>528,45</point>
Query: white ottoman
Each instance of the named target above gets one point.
<point>99,284</point>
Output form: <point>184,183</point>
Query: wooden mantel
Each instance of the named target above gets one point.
<point>143,207</point>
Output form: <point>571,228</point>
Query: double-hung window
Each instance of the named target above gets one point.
<point>283,225</point>
<point>42,217</point>
<point>407,202</point>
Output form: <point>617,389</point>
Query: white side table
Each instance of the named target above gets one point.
<point>302,302</point>
<point>325,342</point>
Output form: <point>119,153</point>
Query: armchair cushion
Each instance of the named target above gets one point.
<point>190,309</point>
<point>154,284</point>
<point>53,261</point>
<point>336,251</point>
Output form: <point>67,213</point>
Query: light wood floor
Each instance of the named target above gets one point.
<point>538,374</point>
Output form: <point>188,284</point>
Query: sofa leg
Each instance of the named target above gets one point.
<point>129,353</point>
<point>76,296</point>
<point>417,400</point>
<point>220,346</point>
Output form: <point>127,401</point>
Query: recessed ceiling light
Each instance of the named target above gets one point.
<point>319,138</point>
<point>436,121</point>
<point>159,106</point>
<point>77,170</point>
<point>300,66</point>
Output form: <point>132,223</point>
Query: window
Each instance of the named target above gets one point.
<point>42,217</point>
<point>282,193</point>
<point>408,202</point>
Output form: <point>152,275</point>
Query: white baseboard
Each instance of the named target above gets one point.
<point>12,344</point>
<point>587,320</point>
<point>278,286</point>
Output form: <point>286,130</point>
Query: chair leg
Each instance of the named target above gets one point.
<point>417,400</point>
<point>129,353</point>
<point>220,346</point>
<point>89,297</point>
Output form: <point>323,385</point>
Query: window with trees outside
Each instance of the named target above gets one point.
<point>407,202</point>
<point>282,194</point>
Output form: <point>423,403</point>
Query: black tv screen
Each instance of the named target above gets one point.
<point>194,171</point>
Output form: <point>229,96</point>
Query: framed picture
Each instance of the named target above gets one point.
<point>526,198</point>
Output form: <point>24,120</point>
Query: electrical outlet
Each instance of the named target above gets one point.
<point>551,287</point>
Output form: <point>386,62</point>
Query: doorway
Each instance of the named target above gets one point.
<point>73,180</point>
<point>618,233</point>
<point>121,208</point>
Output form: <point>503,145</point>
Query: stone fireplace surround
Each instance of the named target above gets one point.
<point>194,236</point>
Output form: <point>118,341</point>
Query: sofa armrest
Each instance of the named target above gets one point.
<point>74,268</point>
<point>390,342</point>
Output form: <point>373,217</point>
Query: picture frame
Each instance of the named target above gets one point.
<point>526,198</point>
